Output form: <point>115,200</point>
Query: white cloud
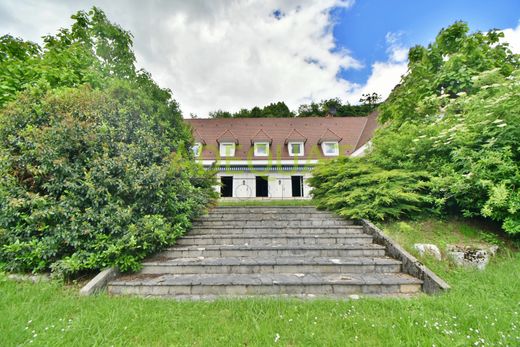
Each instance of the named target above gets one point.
<point>512,36</point>
<point>217,54</point>
<point>220,54</point>
<point>385,75</point>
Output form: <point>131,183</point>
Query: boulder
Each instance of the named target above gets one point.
<point>426,248</point>
<point>471,256</point>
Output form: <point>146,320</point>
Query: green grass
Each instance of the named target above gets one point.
<point>482,305</point>
<point>306,202</point>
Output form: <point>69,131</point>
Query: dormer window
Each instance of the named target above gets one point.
<point>227,149</point>
<point>197,149</point>
<point>261,149</point>
<point>330,148</point>
<point>296,149</point>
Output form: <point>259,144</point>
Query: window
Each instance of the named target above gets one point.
<point>197,148</point>
<point>261,149</point>
<point>296,149</point>
<point>227,149</point>
<point>330,148</point>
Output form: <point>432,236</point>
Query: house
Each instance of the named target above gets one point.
<point>273,157</point>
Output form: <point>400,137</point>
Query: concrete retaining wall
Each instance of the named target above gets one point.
<point>99,282</point>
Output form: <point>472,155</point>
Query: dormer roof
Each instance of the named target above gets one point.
<point>261,136</point>
<point>329,135</point>
<point>295,136</point>
<point>227,136</point>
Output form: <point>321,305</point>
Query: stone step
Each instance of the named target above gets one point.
<point>235,285</point>
<point>273,223</point>
<point>242,216</point>
<point>271,239</point>
<point>269,209</point>
<point>261,230</point>
<point>366,250</point>
<point>268,265</point>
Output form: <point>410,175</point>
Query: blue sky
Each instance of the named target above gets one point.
<point>417,22</point>
<point>222,54</point>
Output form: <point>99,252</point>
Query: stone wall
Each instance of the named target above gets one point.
<point>432,283</point>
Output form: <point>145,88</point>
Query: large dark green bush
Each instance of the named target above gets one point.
<point>355,188</point>
<point>94,164</point>
<point>94,178</point>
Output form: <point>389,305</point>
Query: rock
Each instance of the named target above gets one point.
<point>426,248</point>
<point>354,297</point>
<point>29,278</point>
<point>471,256</point>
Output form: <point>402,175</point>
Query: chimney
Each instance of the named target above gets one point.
<point>332,112</point>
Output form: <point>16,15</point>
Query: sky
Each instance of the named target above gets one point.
<point>233,54</point>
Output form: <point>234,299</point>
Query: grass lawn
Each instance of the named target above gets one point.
<point>483,308</point>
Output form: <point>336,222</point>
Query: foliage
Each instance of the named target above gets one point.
<point>370,99</point>
<point>324,108</point>
<point>93,51</point>
<point>337,108</point>
<point>279,110</point>
<point>358,189</point>
<point>93,179</point>
<point>446,67</point>
<point>455,115</point>
<point>94,165</point>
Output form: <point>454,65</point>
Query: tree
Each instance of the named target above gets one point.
<point>370,99</point>
<point>446,67</point>
<point>17,59</point>
<point>278,110</point>
<point>336,108</point>
<point>220,114</point>
<point>92,51</point>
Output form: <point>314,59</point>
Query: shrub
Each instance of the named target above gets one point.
<point>455,114</point>
<point>359,189</point>
<point>94,178</point>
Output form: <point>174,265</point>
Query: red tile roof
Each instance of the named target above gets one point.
<point>353,132</point>
<point>368,131</point>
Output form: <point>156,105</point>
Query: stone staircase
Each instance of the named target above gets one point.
<point>282,251</point>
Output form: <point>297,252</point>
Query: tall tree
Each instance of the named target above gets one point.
<point>92,51</point>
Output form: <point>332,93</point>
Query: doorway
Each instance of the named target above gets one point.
<point>261,187</point>
<point>226,188</point>
<point>297,186</point>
